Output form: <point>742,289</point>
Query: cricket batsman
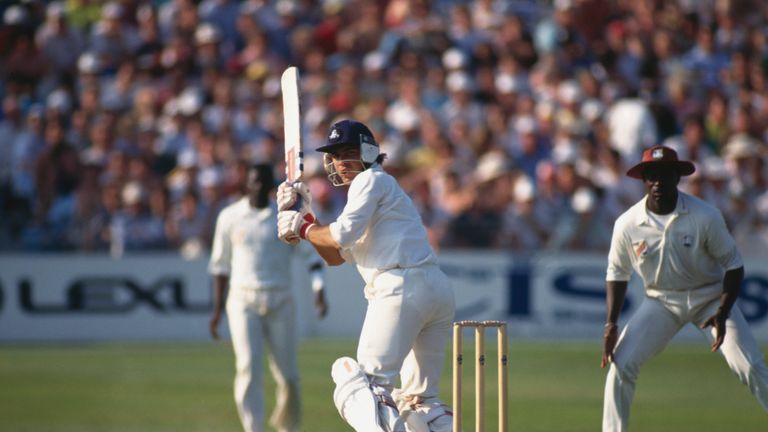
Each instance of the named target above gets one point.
<point>410,301</point>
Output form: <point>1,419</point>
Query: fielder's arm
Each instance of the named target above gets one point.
<point>615,293</point>
<point>220,285</point>
<point>320,237</point>
<point>731,286</point>
<point>614,299</point>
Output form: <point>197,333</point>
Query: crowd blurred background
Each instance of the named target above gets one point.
<point>127,125</point>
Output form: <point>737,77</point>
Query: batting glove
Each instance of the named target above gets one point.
<point>293,225</point>
<point>287,194</point>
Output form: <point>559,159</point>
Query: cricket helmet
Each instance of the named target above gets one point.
<point>349,133</point>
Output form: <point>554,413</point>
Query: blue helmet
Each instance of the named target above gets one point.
<point>352,133</point>
<point>348,133</point>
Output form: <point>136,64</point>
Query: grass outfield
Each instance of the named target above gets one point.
<point>187,387</point>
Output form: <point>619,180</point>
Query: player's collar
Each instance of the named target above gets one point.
<point>681,208</point>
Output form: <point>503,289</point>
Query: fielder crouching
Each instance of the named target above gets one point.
<point>410,302</point>
<point>691,268</point>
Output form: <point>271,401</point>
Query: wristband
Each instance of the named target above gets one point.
<point>305,230</point>
<point>309,223</point>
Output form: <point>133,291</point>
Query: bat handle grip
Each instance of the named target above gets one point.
<point>298,203</point>
<point>299,200</point>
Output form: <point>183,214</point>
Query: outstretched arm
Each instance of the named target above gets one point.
<point>614,298</point>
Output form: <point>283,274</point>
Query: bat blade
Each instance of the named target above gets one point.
<point>294,155</point>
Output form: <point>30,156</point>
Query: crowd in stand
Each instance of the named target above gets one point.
<point>127,125</point>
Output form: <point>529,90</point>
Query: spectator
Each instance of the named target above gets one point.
<point>57,173</point>
<point>192,88</point>
<point>188,227</point>
<point>24,65</point>
<point>691,144</point>
<point>705,60</point>
<point>460,104</point>
<point>522,227</point>
<point>631,125</point>
<point>478,225</point>
<point>716,121</point>
<point>60,45</point>
<point>209,55</point>
<point>11,126</point>
<point>95,225</point>
<point>26,150</point>
<point>222,14</point>
<point>101,141</point>
<point>745,162</point>
<point>527,148</point>
<point>135,228</point>
<point>86,223</point>
<point>582,228</point>
<point>112,40</point>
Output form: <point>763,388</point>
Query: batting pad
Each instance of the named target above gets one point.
<point>424,415</point>
<point>357,403</point>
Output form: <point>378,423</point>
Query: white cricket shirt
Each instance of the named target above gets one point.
<point>246,247</point>
<point>692,253</point>
<point>380,228</point>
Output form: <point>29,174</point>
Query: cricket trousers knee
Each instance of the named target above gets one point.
<point>245,328</point>
<point>646,334</point>
<point>619,392</point>
<point>254,327</point>
<point>287,414</point>
<point>282,343</point>
<point>744,357</point>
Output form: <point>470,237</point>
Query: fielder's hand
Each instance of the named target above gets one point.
<point>287,194</point>
<point>610,337</point>
<point>213,325</point>
<point>293,225</point>
<point>718,322</point>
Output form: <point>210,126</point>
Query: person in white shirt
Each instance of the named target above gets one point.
<point>631,126</point>
<point>410,300</point>
<point>692,271</point>
<point>249,261</point>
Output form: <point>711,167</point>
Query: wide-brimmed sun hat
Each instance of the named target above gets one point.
<point>661,156</point>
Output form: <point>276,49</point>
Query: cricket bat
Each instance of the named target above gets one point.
<point>294,155</point>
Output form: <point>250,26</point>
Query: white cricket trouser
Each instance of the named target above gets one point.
<point>407,326</point>
<point>647,334</point>
<point>257,319</point>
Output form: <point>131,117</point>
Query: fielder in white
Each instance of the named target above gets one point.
<point>410,301</point>
<point>248,257</point>
<point>691,270</point>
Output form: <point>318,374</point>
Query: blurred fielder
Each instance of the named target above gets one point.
<point>410,301</point>
<point>691,270</point>
<point>248,257</point>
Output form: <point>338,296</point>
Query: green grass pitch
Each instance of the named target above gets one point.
<point>188,387</point>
